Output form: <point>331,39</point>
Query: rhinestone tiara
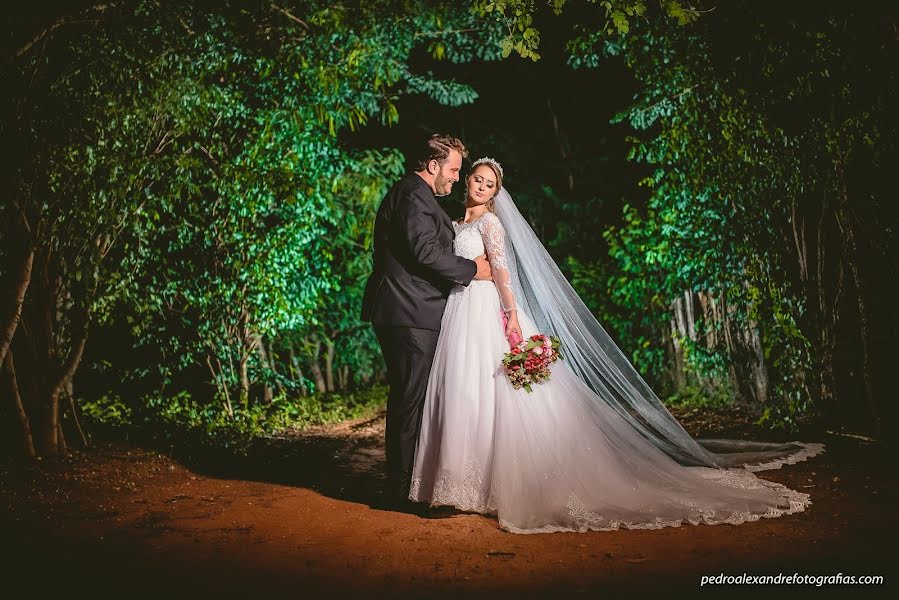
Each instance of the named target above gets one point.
<point>488,160</point>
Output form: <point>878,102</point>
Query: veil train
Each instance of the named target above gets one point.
<point>542,291</point>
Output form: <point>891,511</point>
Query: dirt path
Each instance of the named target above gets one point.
<point>303,518</point>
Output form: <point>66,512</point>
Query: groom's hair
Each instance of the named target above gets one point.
<point>437,147</point>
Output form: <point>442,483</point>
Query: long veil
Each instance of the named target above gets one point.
<point>542,291</point>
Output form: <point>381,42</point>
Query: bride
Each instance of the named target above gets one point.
<point>592,448</point>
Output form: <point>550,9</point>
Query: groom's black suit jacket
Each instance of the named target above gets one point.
<point>414,264</point>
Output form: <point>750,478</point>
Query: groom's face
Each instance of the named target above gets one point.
<point>447,174</point>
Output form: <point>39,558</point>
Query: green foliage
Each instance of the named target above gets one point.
<point>182,419</point>
<point>523,37</point>
<point>197,150</point>
<point>253,220</point>
<point>448,93</point>
<point>700,397</point>
<point>747,123</point>
<point>107,410</point>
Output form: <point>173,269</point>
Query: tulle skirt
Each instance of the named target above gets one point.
<point>557,458</point>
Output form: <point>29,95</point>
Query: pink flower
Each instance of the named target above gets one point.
<point>526,367</point>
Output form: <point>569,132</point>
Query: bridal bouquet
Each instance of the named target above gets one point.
<point>528,361</point>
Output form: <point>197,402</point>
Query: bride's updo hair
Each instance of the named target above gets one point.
<point>497,172</point>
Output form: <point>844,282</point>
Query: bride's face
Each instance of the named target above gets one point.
<point>481,185</point>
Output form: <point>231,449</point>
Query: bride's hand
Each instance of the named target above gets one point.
<point>512,326</point>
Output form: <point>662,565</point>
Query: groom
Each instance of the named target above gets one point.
<point>414,269</point>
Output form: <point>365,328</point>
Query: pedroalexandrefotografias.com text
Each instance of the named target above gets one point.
<point>790,579</point>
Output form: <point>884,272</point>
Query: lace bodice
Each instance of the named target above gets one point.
<point>486,234</point>
<point>468,243</point>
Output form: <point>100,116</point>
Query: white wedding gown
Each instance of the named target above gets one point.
<point>552,460</point>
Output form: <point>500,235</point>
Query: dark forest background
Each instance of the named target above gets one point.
<point>189,189</point>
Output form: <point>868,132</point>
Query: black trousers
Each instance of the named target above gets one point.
<point>408,352</point>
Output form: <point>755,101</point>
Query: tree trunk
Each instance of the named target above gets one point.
<point>848,226</point>
<point>329,365</point>
<point>799,240</point>
<point>678,332</point>
<point>273,364</point>
<point>20,282</point>
<point>219,378</point>
<point>829,329</point>
<point>244,378</point>
<point>295,370</point>
<point>61,446</point>
<point>54,438</point>
<point>735,354</point>
<point>50,425</point>
<point>317,376</point>
<point>21,416</point>
<point>41,324</point>
<point>249,340</point>
<point>828,312</point>
<point>690,321</point>
<point>709,318</point>
<point>758,367</point>
<point>45,328</point>
<point>343,377</point>
<point>267,393</point>
<point>726,311</point>
<point>70,392</point>
<point>680,318</point>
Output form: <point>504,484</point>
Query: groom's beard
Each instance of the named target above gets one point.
<point>442,185</point>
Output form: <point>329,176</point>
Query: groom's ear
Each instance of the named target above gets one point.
<point>433,166</point>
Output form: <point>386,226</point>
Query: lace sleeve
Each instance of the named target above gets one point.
<point>494,236</point>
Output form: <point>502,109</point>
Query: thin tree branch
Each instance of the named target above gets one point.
<point>289,15</point>
<point>443,32</point>
<point>22,280</point>
<point>21,414</point>
<point>675,97</point>
<point>73,360</point>
<point>181,21</point>
<point>23,50</point>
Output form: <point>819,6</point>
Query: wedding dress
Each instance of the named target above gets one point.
<point>592,448</point>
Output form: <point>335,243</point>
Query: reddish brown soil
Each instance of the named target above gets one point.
<point>305,517</point>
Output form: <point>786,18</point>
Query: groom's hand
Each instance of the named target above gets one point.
<point>484,273</point>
